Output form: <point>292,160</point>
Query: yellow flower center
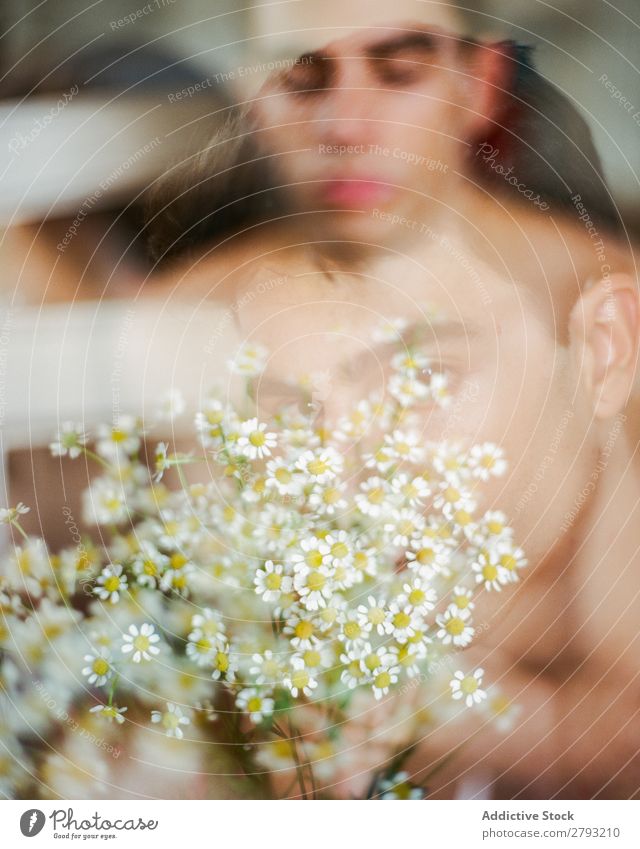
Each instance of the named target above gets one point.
<point>257,438</point>
<point>416,596</point>
<point>401,619</point>
<point>273,581</point>
<point>300,679</point>
<point>112,583</point>
<point>313,559</point>
<point>177,560</point>
<point>317,467</point>
<point>490,572</point>
<point>376,616</point>
<point>254,704</point>
<point>509,562</point>
<point>283,475</point>
<point>149,568</point>
<point>316,581</point>
<point>170,720</point>
<point>311,658</point>
<point>222,661</point>
<point>376,495</point>
<point>304,629</point>
<point>469,685</point>
<point>100,666</point>
<point>382,680</point>
<point>141,643</point>
<point>455,626</point>
<point>352,630</point>
<point>339,550</point>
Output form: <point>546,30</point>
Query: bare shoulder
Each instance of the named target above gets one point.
<point>229,269</point>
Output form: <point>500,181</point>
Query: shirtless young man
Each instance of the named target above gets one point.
<point>537,311</point>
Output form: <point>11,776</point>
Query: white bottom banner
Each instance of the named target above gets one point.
<point>266,824</point>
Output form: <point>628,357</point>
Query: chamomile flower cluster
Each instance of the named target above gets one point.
<point>305,568</point>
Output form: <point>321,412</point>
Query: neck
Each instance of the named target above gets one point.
<point>606,559</point>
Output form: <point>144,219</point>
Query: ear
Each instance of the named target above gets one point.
<point>605,331</point>
<point>490,70</point>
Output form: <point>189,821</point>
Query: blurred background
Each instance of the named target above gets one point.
<point>98,98</point>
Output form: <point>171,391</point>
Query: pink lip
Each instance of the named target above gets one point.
<point>355,192</point>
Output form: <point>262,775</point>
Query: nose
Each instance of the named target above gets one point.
<point>347,111</point>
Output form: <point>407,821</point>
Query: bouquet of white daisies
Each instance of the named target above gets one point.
<point>274,601</point>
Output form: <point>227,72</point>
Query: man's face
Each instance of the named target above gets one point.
<point>370,127</point>
<point>510,383</point>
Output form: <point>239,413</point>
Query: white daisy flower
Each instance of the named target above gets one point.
<point>420,595</point>
<point>487,460</point>
<point>267,668</point>
<point>172,720</point>
<point>461,597</point>
<point>99,670</point>
<point>10,514</point>
<point>111,582</point>
<point>467,687</point>
<point>120,439</point>
<point>405,447</point>
<point>404,526</point>
<point>171,406</point>
<point>148,565</point>
<point>489,572</point>
<point>398,786</point>
<point>410,362</point>
<point>455,627</point>
<point>372,498</point>
<point>407,389</point>
<point>302,628</point>
<point>249,361</point>
<point>251,701</point>
<point>300,680</point>
<point>281,477</point>
<point>70,440</point>
<point>403,619</point>
<point>141,642</point>
<point>225,664</point>
<point>320,466</point>
<point>110,712</point>
<point>271,582</point>
<point>161,461</point>
<point>253,442</point>
<point>412,490</point>
<point>374,615</point>
<point>327,500</point>
<point>315,553</point>
<point>314,586</point>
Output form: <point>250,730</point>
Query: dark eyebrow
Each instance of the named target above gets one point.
<point>409,41</point>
